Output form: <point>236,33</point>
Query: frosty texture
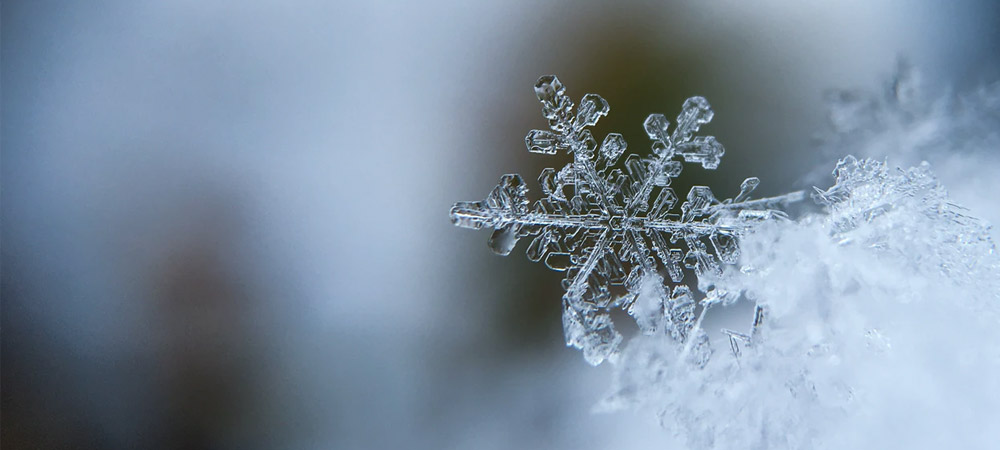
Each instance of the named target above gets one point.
<point>958,246</point>
<point>876,327</point>
<point>908,121</point>
<point>607,224</point>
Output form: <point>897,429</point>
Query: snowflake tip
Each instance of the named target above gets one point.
<point>695,113</point>
<point>592,107</point>
<point>556,105</point>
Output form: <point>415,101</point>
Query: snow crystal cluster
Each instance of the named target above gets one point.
<point>876,318</point>
<point>872,311</point>
<point>908,122</point>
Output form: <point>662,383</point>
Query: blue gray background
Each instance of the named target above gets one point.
<point>224,223</point>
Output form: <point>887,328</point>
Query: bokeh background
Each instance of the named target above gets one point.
<point>224,223</point>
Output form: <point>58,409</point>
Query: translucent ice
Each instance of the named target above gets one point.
<point>602,225</point>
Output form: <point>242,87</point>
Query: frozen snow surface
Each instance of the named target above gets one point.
<point>879,326</point>
<point>876,316</point>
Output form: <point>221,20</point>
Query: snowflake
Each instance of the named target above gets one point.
<point>607,226</point>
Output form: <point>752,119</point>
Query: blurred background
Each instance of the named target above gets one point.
<point>225,223</point>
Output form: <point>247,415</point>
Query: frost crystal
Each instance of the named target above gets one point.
<point>607,225</point>
<point>957,245</point>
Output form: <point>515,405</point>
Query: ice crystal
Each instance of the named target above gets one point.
<point>958,244</point>
<point>607,224</point>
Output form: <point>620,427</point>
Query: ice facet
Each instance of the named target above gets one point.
<point>726,246</point>
<point>503,239</point>
<point>541,141</point>
<point>681,306</point>
<point>746,188</point>
<point>556,105</point>
<point>657,127</point>
<point>695,113</point>
<point>704,150</point>
<point>471,215</point>
<point>592,107</point>
<point>664,203</point>
<point>698,200</point>
<point>613,147</point>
